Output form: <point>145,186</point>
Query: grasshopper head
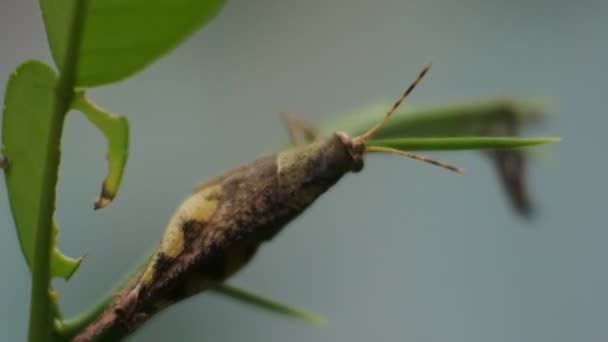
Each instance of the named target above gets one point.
<point>358,146</point>
<point>355,148</point>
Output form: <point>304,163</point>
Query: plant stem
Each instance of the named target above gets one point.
<point>40,323</point>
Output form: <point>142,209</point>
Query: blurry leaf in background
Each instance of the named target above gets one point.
<point>465,119</point>
<point>511,166</point>
<point>25,129</point>
<point>495,118</point>
<point>115,128</point>
<point>122,37</point>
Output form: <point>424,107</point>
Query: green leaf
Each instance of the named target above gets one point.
<point>257,300</point>
<point>121,37</point>
<point>25,129</point>
<point>116,130</point>
<point>497,117</point>
<point>466,119</point>
<point>460,143</point>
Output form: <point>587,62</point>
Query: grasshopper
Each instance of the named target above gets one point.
<point>218,229</point>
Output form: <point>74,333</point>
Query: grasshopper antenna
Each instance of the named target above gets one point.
<point>365,137</point>
<point>416,157</point>
<point>372,131</point>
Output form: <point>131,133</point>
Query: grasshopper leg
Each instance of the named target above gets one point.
<point>300,131</point>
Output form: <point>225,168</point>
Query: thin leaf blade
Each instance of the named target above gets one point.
<point>461,143</point>
<point>259,301</point>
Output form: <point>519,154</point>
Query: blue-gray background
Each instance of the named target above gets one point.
<point>401,252</point>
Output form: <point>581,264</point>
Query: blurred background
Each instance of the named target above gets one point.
<point>400,252</point>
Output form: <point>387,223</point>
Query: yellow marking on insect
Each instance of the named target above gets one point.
<point>172,243</point>
<point>198,207</point>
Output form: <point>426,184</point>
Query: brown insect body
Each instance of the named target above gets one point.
<point>252,204</point>
<point>217,230</point>
<point>255,202</point>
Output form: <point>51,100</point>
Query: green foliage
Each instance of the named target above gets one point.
<point>122,37</point>
<point>458,119</point>
<point>25,131</point>
<point>95,42</point>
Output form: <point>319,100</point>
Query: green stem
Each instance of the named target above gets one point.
<point>41,309</point>
<point>257,300</point>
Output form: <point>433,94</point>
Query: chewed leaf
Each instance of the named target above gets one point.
<point>121,37</point>
<point>268,304</point>
<point>25,129</point>
<point>61,265</point>
<point>116,130</point>
<point>461,143</point>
